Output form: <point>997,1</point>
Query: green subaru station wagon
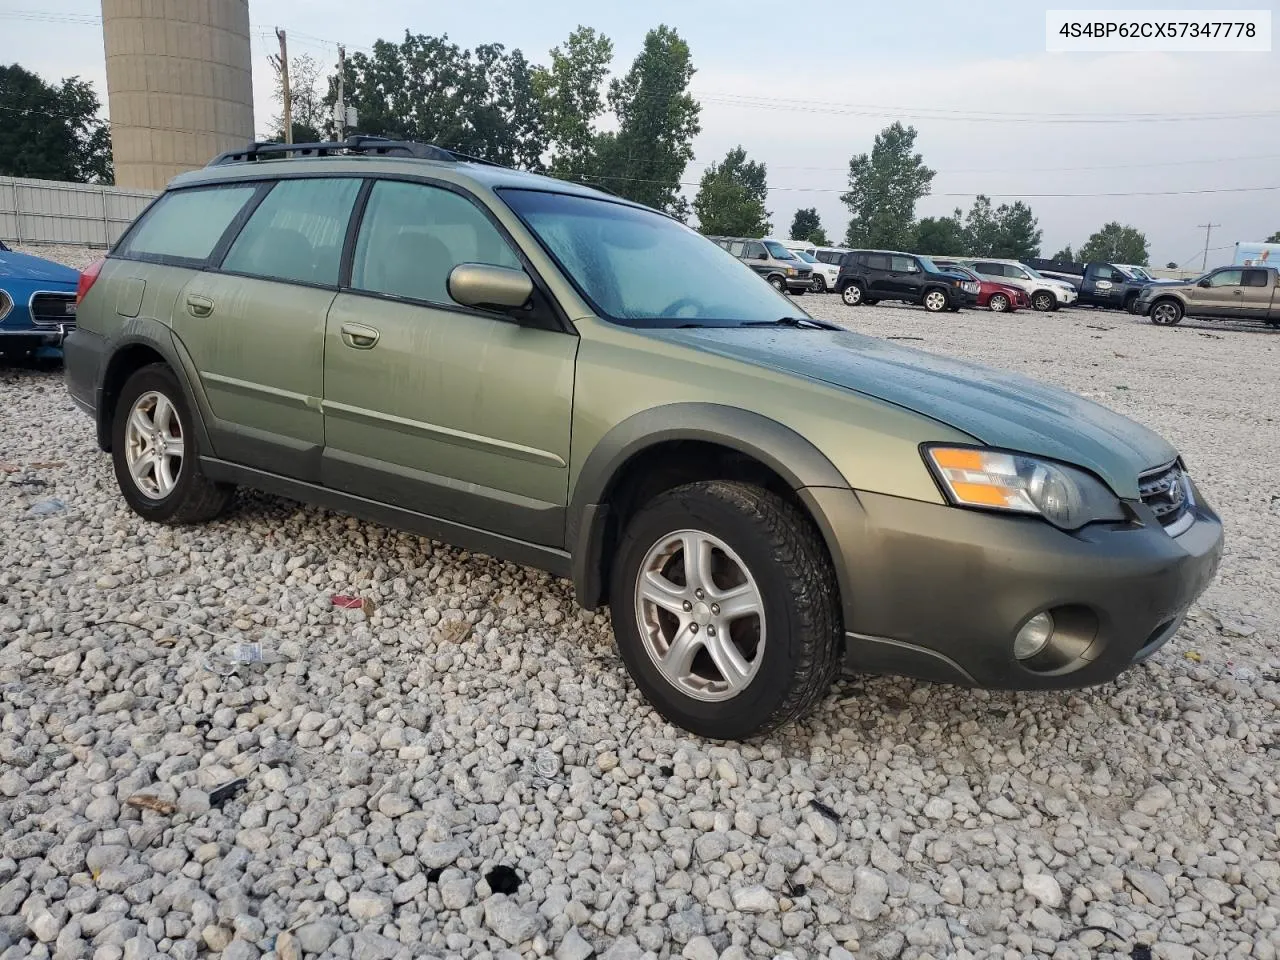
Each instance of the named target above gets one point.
<point>548,374</point>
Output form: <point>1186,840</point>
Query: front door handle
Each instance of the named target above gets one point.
<point>358,336</point>
<point>199,306</point>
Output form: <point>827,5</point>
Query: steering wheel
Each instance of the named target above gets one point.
<point>673,308</point>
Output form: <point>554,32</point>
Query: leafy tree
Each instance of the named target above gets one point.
<point>731,197</point>
<point>52,131</point>
<point>884,187</point>
<point>807,225</point>
<point>1008,231</point>
<point>657,121</point>
<point>480,102</point>
<point>1116,243</point>
<point>1274,238</point>
<point>941,236</point>
<point>309,115</point>
<point>571,94</point>
<point>1066,255</point>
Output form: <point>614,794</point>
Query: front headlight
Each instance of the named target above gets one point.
<point>992,480</point>
<point>791,271</point>
<point>971,287</point>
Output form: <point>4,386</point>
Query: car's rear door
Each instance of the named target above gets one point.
<point>254,325</point>
<point>879,285</point>
<point>446,410</point>
<point>1257,293</point>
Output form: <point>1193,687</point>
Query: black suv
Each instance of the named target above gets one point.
<point>867,276</point>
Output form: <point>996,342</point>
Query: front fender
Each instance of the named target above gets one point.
<point>788,454</point>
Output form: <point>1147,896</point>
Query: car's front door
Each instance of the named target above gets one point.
<point>1103,285</point>
<point>1258,291</point>
<point>905,277</point>
<point>446,410</point>
<point>254,328</point>
<point>1218,295</point>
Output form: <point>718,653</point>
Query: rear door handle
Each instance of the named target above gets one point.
<point>358,336</point>
<point>199,306</point>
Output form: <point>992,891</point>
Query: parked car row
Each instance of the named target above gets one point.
<point>785,271</point>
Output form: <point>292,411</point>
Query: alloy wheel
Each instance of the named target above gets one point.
<point>154,445</point>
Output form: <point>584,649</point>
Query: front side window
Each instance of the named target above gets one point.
<point>413,235</point>
<point>187,224</point>
<point>1225,278</point>
<point>779,251</point>
<point>297,232</point>
<point>755,251</point>
<point>1104,273</point>
<point>643,269</point>
<point>904,265</point>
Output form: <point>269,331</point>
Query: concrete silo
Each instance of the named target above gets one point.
<point>179,85</point>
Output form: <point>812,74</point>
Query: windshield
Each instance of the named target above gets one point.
<point>779,251</point>
<point>805,257</point>
<point>1137,272</point>
<point>642,269</point>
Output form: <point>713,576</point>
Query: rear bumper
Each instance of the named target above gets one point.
<point>939,593</point>
<point>84,359</point>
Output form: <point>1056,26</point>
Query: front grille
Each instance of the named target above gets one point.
<point>53,309</point>
<point>1165,491</point>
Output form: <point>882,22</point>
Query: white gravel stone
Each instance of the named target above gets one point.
<point>1044,888</point>
<point>573,946</point>
<point>377,748</point>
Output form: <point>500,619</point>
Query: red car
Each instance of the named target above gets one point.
<point>997,297</point>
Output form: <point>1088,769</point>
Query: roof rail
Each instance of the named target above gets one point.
<point>361,144</point>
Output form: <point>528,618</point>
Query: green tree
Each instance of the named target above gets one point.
<point>940,236</point>
<point>807,225</point>
<point>571,92</point>
<point>426,88</point>
<point>884,187</point>
<point>731,197</point>
<point>1274,238</point>
<point>52,131</point>
<point>1116,243</point>
<point>1008,231</point>
<point>309,115</point>
<point>1066,255</point>
<point>657,121</point>
<point>981,231</point>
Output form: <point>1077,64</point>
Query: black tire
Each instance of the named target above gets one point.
<point>819,283</point>
<point>797,293</point>
<point>852,294</point>
<point>803,626</point>
<point>1042,301</point>
<point>998,303</point>
<point>778,284</point>
<point>935,300</point>
<point>194,498</point>
<point>1167,312</point>
<point>1130,304</point>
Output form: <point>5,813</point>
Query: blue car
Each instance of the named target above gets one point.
<point>37,304</point>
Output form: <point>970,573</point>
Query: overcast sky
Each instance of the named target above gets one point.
<point>824,78</point>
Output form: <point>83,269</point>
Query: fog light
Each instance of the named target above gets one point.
<point>1033,636</point>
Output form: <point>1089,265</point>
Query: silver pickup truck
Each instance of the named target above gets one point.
<point>1227,293</point>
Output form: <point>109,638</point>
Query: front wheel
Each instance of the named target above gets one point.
<point>1044,302</point>
<point>935,301</point>
<point>819,285</point>
<point>851,295</point>
<point>998,303</point>
<point>778,284</point>
<point>155,454</point>
<point>725,609</point>
<point>1166,313</point>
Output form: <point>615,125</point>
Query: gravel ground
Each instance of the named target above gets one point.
<point>463,769</point>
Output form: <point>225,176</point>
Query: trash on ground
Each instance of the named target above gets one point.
<point>904,338</point>
<point>145,801</point>
<point>1193,656</point>
<point>220,795</point>
<point>347,602</point>
<point>503,879</point>
<point>44,508</point>
<point>826,811</point>
<point>454,631</point>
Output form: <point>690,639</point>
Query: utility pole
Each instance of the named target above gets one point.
<point>1208,228</point>
<point>340,108</point>
<point>284,85</point>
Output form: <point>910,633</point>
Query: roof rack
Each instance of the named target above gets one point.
<point>361,144</point>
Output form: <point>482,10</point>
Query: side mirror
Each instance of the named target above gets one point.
<point>489,287</point>
<point>1203,283</point>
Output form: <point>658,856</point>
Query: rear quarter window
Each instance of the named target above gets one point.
<point>186,224</point>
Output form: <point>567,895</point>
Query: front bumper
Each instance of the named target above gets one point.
<point>1143,307</point>
<point>802,282</point>
<point>1066,297</point>
<point>938,592</point>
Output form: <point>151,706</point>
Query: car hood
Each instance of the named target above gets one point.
<point>23,266</point>
<point>995,407</point>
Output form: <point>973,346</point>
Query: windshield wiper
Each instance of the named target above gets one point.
<point>792,322</point>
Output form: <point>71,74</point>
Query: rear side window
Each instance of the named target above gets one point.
<point>413,235</point>
<point>738,248</point>
<point>1255,278</point>
<point>186,224</point>
<point>877,261</point>
<point>296,234</point>
<point>990,269</point>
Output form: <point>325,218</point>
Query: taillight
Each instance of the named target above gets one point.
<point>87,277</point>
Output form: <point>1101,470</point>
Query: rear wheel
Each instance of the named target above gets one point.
<point>1166,313</point>
<point>998,303</point>
<point>725,609</point>
<point>1044,301</point>
<point>851,294</point>
<point>155,453</point>
<point>935,301</point>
